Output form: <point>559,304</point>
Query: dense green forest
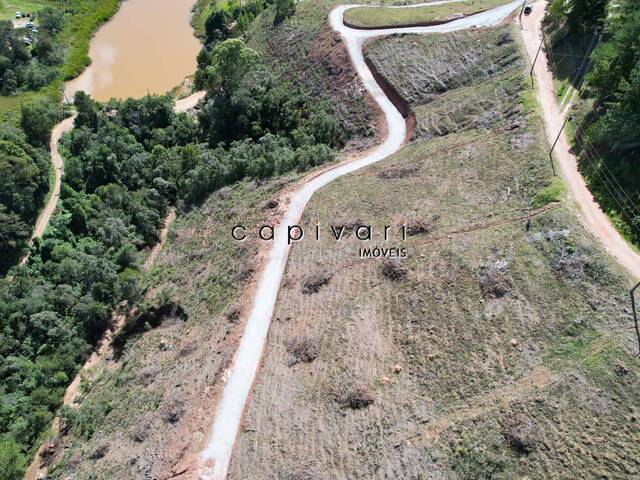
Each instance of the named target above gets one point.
<point>607,117</point>
<point>126,163</point>
<point>33,64</point>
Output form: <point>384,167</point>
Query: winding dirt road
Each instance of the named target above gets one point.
<point>215,458</point>
<point>592,215</point>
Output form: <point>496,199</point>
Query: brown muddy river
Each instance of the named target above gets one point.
<point>147,46</point>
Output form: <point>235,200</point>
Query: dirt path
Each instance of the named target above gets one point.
<point>99,356</point>
<point>592,215</point>
<point>57,162</point>
<point>155,251</point>
<point>215,458</point>
<point>58,169</point>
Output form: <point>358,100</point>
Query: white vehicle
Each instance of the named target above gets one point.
<point>18,15</point>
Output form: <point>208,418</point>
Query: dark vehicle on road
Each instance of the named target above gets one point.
<point>528,9</point>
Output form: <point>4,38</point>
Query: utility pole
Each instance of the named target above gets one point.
<point>635,315</point>
<point>566,119</point>
<point>524,2</point>
<point>534,61</point>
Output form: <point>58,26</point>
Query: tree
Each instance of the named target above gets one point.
<point>586,15</point>
<point>216,26</point>
<point>12,461</point>
<point>284,9</point>
<point>14,234</point>
<point>50,20</point>
<point>230,61</point>
<point>87,112</point>
<point>615,58</point>
<point>37,120</point>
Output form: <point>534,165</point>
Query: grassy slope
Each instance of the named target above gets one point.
<point>549,362</point>
<point>376,17</point>
<point>8,8</point>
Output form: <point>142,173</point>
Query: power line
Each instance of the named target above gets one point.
<point>608,185</point>
<point>590,149</point>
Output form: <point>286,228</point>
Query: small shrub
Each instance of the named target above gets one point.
<point>271,204</point>
<point>100,451</point>
<point>393,269</point>
<point>173,410</point>
<point>417,226</point>
<point>523,434</point>
<point>302,349</point>
<point>140,432</point>
<point>569,261</point>
<point>357,398</point>
<point>493,281</point>
<point>313,282</point>
<point>398,171</point>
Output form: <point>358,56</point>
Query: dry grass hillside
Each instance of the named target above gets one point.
<point>144,415</point>
<point>500,347</point>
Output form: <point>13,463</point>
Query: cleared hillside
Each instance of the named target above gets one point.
<point>137,415</point>
<point>500,347</point>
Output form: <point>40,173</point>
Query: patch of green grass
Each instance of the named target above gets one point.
<point>87,17</point>
<point>592,352</point>
<point>551,193</point>
<point>8,8</point>
<point>366,17</point>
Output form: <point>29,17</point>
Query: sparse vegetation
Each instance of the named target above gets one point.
<point>461,377</point>
<point>394,269</point>
<point>523,434</point>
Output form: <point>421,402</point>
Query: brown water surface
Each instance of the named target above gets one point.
<point>148,46</point>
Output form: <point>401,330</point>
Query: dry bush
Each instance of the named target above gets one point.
<point>358,398</point>
<point>417,226</point>
<point>302,349</point>
<point>494,282</point>
<point>313,282</point>
<point>140,431</point>
<point>147,374</point>
<point>100,451</point>
<point>245,271</point>
<point>523,434</point>
<point>569,262</point>
<point>393,269</point>
<point>398,171</point>
<point>224,193</point>
<point>173,409</point>
<point>233,315</point>
<point>271,204</point>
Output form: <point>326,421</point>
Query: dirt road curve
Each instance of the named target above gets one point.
<point>214,460</point>
<point>591,214</point>
<point>60,129</point>
<point>58,168</point>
